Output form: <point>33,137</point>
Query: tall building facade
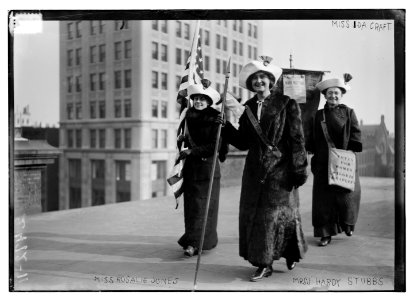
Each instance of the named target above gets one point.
<point>118,109</point>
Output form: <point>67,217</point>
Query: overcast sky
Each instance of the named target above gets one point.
<point>366,52</point>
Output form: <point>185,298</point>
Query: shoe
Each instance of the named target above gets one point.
<point>261,273</point>
<point>349,232</point>
<point>290,264</point>
<point>190,251</point>
<point>325,241</point>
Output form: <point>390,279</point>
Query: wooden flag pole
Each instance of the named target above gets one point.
<point>211,177</point>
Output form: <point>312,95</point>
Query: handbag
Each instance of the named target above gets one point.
<point>341,163</point>
<point>271,155</point>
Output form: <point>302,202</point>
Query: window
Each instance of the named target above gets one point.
<point>218,87</point>
<point>234,47</point>
<point>92,136</point>
<point>255,31</point>
<point>178,28</point>
<point>218,41</point>
<point>164,81</point>
<point>127,138</point>
<point>178,60</point>
<point>206,38</point>
<point>155,108</point>
<point>78,138</point>
<point>255,52</point>
<point>240,26</point>
<point>128,78</point>
<point>75,170</point>
<point>128,49</point>
<point>234,69</point>
<point>102,52</point>
<point>218,65</point>
<point>154,79</point>
<point>92,109</point>
<point>249,51</point>
<point>92,54</point>
<point>234,90</point>
<point>164,53</point>
<point>69,84</point>
<point>186,31</point>
<point>118,108</point>
<point>69,58</point>
<point>93,25</point>
<point>117,138</point>
<point>118,79</point>
<point>154,50</point>
<point>70,138</point>
<point>206,65</point>
<point>102,81</point>
<point>78,83</point>
<point>78,110</point>
<point>164,26</point>
<point>70,31</point>
<point>127,108</point>
<point>75,179</point>
<point>155,24</point>
<point>177,82</point>
<point>164,109</point>
<point>102,138</point>
<point>101,27</point>
<point>118,25</point>
<point>224,43</point>
<point>154,138</point>
<point>249,29</point>
<point>123,178</point>
<point>234,25</point>
<point>118,50</point>
<point>225,23</point>
<point>69,110</point>
<point>187,53</point>
<point>158,175</point>
<point>239,69</point>
<point>164,138</point>
<point>240,48</point>
<point>239,92</point>
<point>78,56</point>
<point>224,66</point>
<point>125,24</point>
<point>98,182</point>
<point>92,82</point>
<point>78,32</point>
<point>102,109</point>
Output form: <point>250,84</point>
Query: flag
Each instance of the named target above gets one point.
<point>193,73</point>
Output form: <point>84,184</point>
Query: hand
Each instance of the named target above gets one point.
<point>299,180</point>
<point>184,153</point>
<point>180,138</point>
<point>220,120</point>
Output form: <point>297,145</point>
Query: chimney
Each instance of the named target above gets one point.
<point>382,119</point>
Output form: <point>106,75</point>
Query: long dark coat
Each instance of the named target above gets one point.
<point>203,130</point>
<point>333,208</point>
<point>269,218</point>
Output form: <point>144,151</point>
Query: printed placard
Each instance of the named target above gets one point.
<point>294,87</point>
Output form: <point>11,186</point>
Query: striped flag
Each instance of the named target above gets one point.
<point>193,73</point>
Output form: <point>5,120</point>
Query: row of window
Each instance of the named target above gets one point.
<point>97,109</point>
<point>155,80</point>
<point>97,138</point>
<point>97,81</point>
<point>74,29</point>
<point>183,29</point>
<point>97,53</point>
<point>122,138</point>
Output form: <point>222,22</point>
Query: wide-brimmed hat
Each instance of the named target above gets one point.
<point>335,82</point>
<point>254,66</point>
<point>204,88</point>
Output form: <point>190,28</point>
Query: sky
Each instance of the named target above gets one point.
<point>365,53</point>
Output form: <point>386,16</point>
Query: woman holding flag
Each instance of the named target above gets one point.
<point>200,136</point>
<point>271,130</point>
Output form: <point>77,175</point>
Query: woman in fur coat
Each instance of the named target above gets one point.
<point>201,137</point>
<point>269,218</point>
<point>334,209</point>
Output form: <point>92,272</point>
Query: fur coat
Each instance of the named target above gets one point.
<point>203,131</point>
<point>269,218</point>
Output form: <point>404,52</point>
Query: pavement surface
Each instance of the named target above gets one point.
<point>133,246</point>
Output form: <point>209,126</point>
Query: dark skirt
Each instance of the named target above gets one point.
<point>195,198</point>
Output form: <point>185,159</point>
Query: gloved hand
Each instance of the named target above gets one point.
<point>298,179</point>
<point>180,138</point>
<point>220,120</point>
<point>184,153</point>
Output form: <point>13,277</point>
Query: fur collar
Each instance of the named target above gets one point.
<point>274,103</point>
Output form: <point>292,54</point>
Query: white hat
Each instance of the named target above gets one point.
<point>335,82</point>
<point>255,66</point>
<point>204,88</point>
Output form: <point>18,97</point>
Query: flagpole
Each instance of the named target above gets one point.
<point>211,177</point>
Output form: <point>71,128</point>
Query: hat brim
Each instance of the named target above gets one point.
<point>255,66</point>
<point>333,82</point>
<point>199,89</point>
